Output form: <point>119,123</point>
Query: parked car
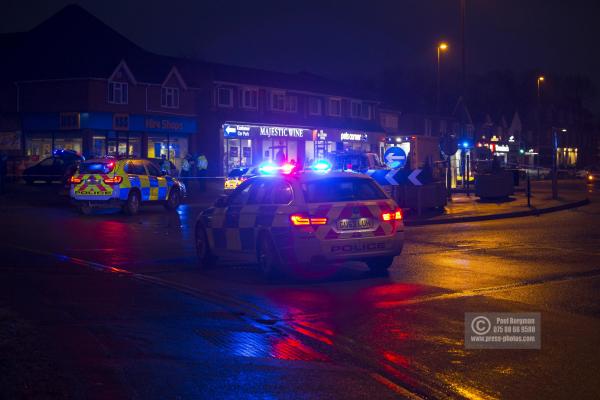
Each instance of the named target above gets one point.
<point>59,167</point>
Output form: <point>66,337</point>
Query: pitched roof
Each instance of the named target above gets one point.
<point>75,44</point>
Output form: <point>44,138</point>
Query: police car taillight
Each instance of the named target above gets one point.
<point>303,220</point>
<point>392,216</point>
<point>112,181</point>
<point>75,180</point>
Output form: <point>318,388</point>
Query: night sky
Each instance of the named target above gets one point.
<point>350,38</point>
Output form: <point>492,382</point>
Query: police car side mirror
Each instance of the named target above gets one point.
<point>221,202</point>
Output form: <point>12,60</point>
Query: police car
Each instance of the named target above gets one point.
<point>125,183</point>
<point>303,218</point>
<point>238,175</point>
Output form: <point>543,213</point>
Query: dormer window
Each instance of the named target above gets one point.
<point>118,92</point>
<point>169,97</point>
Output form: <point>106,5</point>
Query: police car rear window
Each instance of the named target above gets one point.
<point>341,189</point>
<point>95,168</point>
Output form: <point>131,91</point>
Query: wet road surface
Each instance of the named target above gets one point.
<point>121,300</point>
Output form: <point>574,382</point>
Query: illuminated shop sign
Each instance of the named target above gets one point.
<point>353,137</point>
<point>163,124</point>
<point>503,148</point>
<point>276,131</point>
<point>236,131</point>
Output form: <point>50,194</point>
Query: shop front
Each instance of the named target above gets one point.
<point>246,145</point>
<point>102,134</point>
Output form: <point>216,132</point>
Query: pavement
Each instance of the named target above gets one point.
<point>465,208</point>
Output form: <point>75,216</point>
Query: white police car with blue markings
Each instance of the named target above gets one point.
<point>289,221</point>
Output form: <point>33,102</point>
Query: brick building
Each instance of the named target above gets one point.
<point>72,82</point>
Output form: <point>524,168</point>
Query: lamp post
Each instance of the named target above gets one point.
<point>441,47</point>
<point>539,81</point>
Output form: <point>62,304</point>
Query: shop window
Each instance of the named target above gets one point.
<point>169,97</point>
<point>225,97</point>
<point>335,107</point>
<point>67,142</point>
<point>250,98</point>
<point>314,106</point>
<point>69,120</point>
<point>118,92</point>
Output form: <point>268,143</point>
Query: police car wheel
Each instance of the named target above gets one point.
<point>205,257</point>
<point>268,259</point>
<point>380,265</point>
<point>174,200</point>
<point>85,210</point>
<point>132,206</point>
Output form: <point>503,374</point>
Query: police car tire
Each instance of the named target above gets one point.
<point>174,200</point>
<point>207,259</point>
<point>85,210</point>
<point>274,270</point>
<point>130,208</point>
<point>380,264</point>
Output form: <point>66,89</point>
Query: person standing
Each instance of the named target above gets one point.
<point>202,165</point>
<point>185,167</point>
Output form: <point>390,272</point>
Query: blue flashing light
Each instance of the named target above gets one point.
<point>465,144</point>
<point>268,168</point>
<point>321,166</point>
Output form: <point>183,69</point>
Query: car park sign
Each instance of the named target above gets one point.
<point>395,157</point>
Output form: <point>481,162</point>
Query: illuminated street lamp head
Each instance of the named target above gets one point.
<point>540,79</point>
<point>443,46</point>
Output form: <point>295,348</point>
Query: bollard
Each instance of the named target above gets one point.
<point>528,191</point>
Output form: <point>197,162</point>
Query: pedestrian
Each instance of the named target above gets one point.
<point>165,165</point>
<point>185,167</point>
<point>3,172</point>
<point>202,165</point>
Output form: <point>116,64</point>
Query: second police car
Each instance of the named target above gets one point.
<point>125,183</point>
<point>290,220</point>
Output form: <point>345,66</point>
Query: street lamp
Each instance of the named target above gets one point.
<point>441,47</point>
<point>539,81</point>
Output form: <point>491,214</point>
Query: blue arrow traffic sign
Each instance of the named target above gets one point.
<point>395,157</point>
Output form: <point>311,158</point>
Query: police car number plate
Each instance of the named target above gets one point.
<point>352,224</point>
